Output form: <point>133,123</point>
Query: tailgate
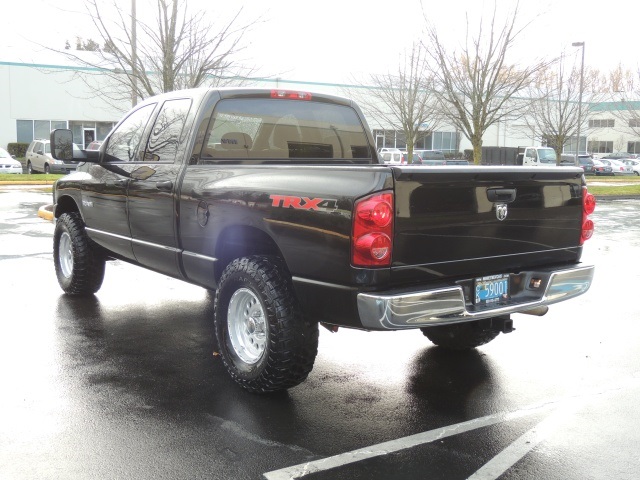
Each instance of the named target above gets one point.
<point>460,221</point>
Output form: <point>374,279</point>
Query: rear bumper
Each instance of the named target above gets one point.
<point>401,310</point>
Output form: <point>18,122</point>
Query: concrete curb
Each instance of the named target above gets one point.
<point>46,212</point>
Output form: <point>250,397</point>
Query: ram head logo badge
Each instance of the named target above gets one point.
<point>501,211</point>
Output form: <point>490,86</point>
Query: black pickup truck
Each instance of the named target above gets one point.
<point>277,200</point>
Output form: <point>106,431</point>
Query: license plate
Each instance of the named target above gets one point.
<point>491,289</point>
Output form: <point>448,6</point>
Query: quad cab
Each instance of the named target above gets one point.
<point>278,201</point>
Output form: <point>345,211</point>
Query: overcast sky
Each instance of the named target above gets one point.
<point>334,41</point>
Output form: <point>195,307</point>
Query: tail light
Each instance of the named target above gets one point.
<point>371,242</point>
<point>588,206</point>
<point>290,95</point>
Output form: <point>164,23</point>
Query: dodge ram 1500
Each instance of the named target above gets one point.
<point>278,201</point>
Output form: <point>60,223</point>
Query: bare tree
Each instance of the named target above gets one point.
<point>625,86</point>
<point>622,80</point>
<point>475,86</point>
<point>554,111</point>
<point>171,50</point>
<point>404,100</point>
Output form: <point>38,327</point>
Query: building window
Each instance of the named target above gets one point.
<point>102,129</point>
<point>28,130</point>
<point>41,128</point>
<point>570,145</point>
<point>600,147</point>
<point>24,131</point>
<point>600,123</point>
<point>445,141</point>
<point>634,123</point>
<point>633,147</point>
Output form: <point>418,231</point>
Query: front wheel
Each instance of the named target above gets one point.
<point>467,335</point>
<point>30,170</point>
<point>265,343</point>
<point>79,268</point>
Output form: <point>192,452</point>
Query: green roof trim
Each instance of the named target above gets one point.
<point>614,106</point>
<point>254,79</point>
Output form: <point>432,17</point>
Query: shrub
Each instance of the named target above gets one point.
<point>17,149</point>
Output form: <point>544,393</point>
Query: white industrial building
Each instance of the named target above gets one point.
<point>46,92</point>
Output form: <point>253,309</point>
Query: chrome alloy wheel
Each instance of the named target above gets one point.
<point>247,326</point>
<point>65,255</point>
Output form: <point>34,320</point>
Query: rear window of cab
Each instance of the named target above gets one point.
<point>283,129</point>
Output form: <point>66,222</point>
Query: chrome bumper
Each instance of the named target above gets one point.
<point>447,305</point>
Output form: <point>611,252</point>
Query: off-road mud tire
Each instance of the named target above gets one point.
<point>283,357</point>
<point>79,266</point>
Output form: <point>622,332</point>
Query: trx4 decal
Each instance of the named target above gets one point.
<point>303,203</point>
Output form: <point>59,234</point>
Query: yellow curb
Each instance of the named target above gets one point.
<point>27,182</point>
<point>46,212</point>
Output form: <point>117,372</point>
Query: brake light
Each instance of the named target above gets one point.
<point>372,231</point>
<point>588,207</point>
<point>290,95</point>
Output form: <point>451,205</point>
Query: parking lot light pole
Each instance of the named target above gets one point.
<point>579,44</point>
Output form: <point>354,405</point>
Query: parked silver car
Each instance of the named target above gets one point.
<point>617,167</point>
<point>39,159</point>
<point>634,164</point>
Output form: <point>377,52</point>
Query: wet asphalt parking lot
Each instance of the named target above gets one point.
<point>126,384</point>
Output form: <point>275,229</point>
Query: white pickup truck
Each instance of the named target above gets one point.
<point>536,156</point>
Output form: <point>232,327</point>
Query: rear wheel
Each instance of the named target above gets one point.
<point>468,335</point>
<point>265,343</point>
<point>79,268</point>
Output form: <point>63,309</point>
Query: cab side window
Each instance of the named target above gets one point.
<point>124,142</point>
<point>167,131</point>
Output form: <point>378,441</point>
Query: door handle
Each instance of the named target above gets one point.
<point>165,186</point>
<point>504,195</point>
<point>122,182</point>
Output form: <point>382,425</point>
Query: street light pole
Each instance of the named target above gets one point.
<point>134,56</point>
<point>579,44</point>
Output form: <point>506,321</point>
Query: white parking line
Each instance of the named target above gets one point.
<point>299,471</point>
<point>523,445</point>
<point>492,469</point>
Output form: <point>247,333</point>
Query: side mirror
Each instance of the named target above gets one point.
<point>62,148</point>
<point>62,144</point>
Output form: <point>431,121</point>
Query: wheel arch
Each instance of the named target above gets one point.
<point>242,241</point>
<point>65,204</point>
